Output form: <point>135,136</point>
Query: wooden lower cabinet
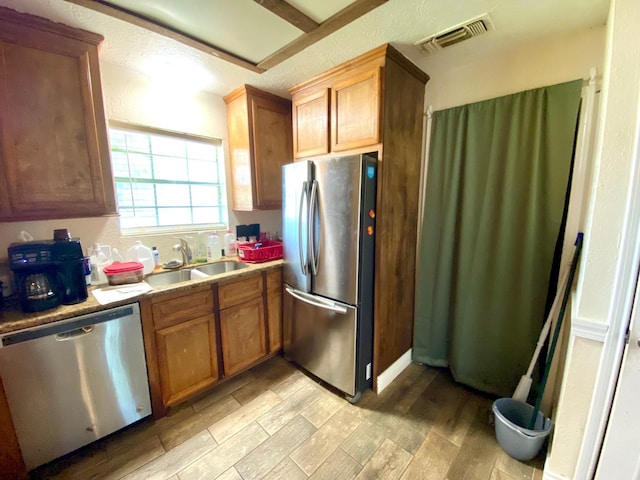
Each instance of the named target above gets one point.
<point>187,358</point>
<point>243,335</point>
<point>197,337</point>
<point>180,343</point>
<point>274,309</point>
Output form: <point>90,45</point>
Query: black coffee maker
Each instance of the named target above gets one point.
<point>48,272</point>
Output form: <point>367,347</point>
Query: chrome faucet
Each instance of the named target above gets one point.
<point>184,248</point>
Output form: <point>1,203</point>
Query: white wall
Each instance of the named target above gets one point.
<point>518,67</point>
<point>132,97</point>
<point>607,279</point>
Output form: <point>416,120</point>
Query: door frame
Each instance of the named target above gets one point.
<point>627,269</point>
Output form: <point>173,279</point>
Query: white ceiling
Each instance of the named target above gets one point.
<point>400,22</point>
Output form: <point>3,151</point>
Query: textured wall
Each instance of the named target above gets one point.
<point>598,280</point>
<point>521,66</point>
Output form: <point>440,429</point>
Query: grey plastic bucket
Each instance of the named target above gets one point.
<point>516,440</point>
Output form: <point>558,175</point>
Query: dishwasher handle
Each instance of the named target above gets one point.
<point>71,334</point>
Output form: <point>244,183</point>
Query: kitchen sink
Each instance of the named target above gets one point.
<point>168,278</point>
<point>221,267</point>
<point>177,276</point>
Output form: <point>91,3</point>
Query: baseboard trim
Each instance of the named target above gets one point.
<point>395,369</point>
<point>584,328</point>
<point>546,475</point>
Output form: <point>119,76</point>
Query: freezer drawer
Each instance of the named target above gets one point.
<point>73,382</point>
<point>321,338</point>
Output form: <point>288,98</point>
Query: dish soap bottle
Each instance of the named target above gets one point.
<point>200,251</point>
<point>213,247</point>
<point>156,257</point>
<point>230,247</point>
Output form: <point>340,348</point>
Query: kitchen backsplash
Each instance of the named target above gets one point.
<point>106,231</point>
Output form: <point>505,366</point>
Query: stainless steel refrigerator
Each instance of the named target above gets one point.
<point>329,240</point>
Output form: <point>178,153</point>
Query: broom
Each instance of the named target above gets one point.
<point>521,392</point>
<point>556,333</point>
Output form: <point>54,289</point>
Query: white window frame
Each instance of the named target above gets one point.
<point>185,228</point>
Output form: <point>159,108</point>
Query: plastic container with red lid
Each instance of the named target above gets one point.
<point>119,273</point>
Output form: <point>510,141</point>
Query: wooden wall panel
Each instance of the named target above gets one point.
<point>397,215</point>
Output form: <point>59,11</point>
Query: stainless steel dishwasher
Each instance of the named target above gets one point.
<point>72,382</point>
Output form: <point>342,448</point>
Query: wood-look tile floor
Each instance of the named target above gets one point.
<point>275,422</point>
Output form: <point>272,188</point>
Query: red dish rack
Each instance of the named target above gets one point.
<point>269,250</point>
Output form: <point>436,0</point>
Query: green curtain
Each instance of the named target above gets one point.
<point>496,186</point>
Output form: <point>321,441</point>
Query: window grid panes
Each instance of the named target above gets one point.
<point>166,181</point>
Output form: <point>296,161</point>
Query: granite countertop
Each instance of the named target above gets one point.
<point>12,320</point>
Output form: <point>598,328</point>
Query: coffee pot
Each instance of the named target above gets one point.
<point>38,291</point>
<point>48,272</point>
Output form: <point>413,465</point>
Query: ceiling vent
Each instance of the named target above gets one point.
<point>469,29</point>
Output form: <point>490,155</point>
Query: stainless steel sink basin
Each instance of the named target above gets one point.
<point>221,267</point>
<point>177,276</point>
<point>168,278</point>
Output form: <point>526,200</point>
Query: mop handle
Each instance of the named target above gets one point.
<point>547,324</point>
<point>556,333</point>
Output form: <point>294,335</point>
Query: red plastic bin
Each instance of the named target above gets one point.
<point>270,250</point>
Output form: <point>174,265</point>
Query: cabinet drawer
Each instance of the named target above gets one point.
<point>274,280</point>
<point>233,293</point>
<point>179,309</point>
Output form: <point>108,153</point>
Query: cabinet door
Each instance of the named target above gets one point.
<point>187,358</point>
<point>242,335</point>
<point>355,111</point>
<point>311,123</point>
<point>271,128</point>
<point>239,154</point>
<point>53,132</point>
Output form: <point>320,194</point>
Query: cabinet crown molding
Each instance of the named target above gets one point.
<point>379,53</point>
<point>255,92</point>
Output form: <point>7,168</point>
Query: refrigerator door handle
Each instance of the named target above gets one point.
<point>315,249</point>
<point>303,257</point>
<point>315,301</point>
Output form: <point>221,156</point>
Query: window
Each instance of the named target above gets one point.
<point>166,181</point>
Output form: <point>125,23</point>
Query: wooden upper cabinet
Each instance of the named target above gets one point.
<point>54,154</point>
<point>311,123</point>
<point>260,143</point>
<point>342,109</point>
<point>355,111</point>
